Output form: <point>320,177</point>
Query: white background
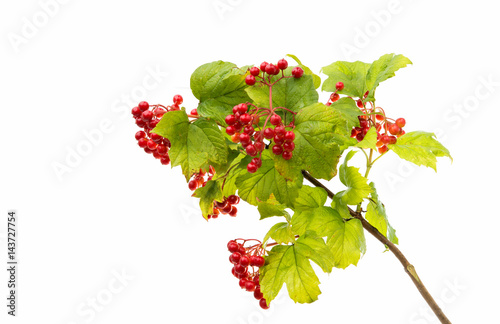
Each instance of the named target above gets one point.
<point>119,210</point>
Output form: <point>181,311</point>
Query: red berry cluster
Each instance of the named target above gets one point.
<point>199,179</point>
<point>335,96</point>
<point>271,69</point>
<point>244,261</point>
<point>225,206</point>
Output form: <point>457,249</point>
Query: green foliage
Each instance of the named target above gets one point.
<point>281,233</point>
<point>376,215</point>
<point>271,208</point>
<point>208,194</point>
<point>357,185</point>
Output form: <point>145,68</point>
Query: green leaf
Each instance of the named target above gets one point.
<point>238,167</point>
<point>352,74</point>
<point>310,197</point>
<point>377,217</point>
<point>349,111</point>
<point>316,78</point>
<point>208,194</point>
<point>347,242</point>
<point>370,140</point>
<point>316,149</point>
<point>219,86</point>
<point>420,148</point>
<point>195,145</point>
<point>258,186</point>
<point>322,220</point>
<point>290,264</point>
<point>341,207</point>
<point>281,233</point>
<point>357,185</point>
<point>383,69</point>
<point>271,208</point>
<point>290,93</point>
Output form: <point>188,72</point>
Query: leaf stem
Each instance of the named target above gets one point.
<point>409,268</point>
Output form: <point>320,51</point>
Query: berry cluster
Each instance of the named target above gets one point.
<point>243,123</point>
<point>244,261</point>
<point>147,117</point>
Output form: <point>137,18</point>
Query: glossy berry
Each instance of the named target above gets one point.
<point>162,149</point>
<point>394,129</point>
<point>254,71</point>
<point>235,258</point>
<point>136,112</point>
<point>287,155</point>
<point>257,293</point>
<point>282,64</point>
<point>143,106</point>
<point>139,135</point>
<point>359,103</point>
<point>392,139</point>
<point>178,99</point>
<point>249,130</point>
<point>401,122</point>
<point>250,286</point>
<point>257,161</point>
<point>339,86</point>
<point>263,303</point>
<point>245,118</point>
<point>233,199</point>
<point>235,138</point>
<point>289,146</point>
<point>242,108</point>
<point>280,130</point>
<point>230,130</point>
<point>271,69</point>
<point>245,261</point>
<point>382,149</point>
<point>334,97</point>
<point>230,120</point>
<point>192,185</point>
<point>263,66</point>
<point>252,168</point>
<point>275,120</point>
<point>233,211</point>
<point>277,149</point>
<point>142,142</point>
<point>165,160</point>
<point>152,145</point>
<point>278,139</point>
<point>147,115</point>
<point>257,261</point>
<point>268,133</point>
<point>297,72</point>
<point>232,246</point>
<point>238,268</point>
<point>251,150</point>
<point>259,146</point>
<point>289,136</point>
<point>250,80</point>
<point>245,138</point>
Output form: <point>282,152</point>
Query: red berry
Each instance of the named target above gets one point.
<point>143,106</point>
<point>194,112</point>
<point>235,109</point>
<point>242,283</point>
<point>152,145</point>
<point>401,122</point>
<point>271,69</point>
<point>382,149</point>
<point>249,130</point>
<point>252,168</point>
<point>245,118</point>
<point>230,130</point>
<point>242,108</point>
<point>359,103</point>
<point>287,155</point>
<point>147,150</point>
<point>360,136</point>
<point>354,132</point>
<point>289,136</point>
<point>268,133</point>
<point>238,126</point>
<point>136,112</point>
<point>244,261</point>
<point>235,137</point>
<point>394,129</point>
<point>257,293</point>
<point>139,135</point>
<point>152,124</point>
<point>250,286</point>
<point>147,115</point>
<point>232,246</point>
<point>339,86</point>
<point>257,261</point>
<point>156,138</point>
<point>263,303</point>
<point>233,199</point>
<point>392,139</point>
<point>162,149</point>
<point>257,161</point>
<point>363,123</point>
<point>275,120</point>
<point>259,146</point>
<point>250,80</point>
<point>263,66</point>
<point>193,184</point>
<point>297,72</point>
<point>379,117</point>
<point>233,211</point>
<point>235,258</point>
<point>139,122</point>
<point>280,130</point>
<point>230,120</point>
<point>251,150</point>
<point>278,139</point>
<point>178,99</point>
<point>143,142</point>
<point>289,146</point>
<point>334,97</point>
<point>282,64</point>
<point>159,112</point>
<point>165,160</point>
<point>277,149</point>
<point>401,133</point>
<point>245,138</point>
<point>242,250</point>
<point>254,71</point>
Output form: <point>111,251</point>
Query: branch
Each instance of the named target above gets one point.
<point>409,268</point>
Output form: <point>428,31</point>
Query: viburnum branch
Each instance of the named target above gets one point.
<point>409,268</point>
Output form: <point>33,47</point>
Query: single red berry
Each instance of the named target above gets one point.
<point>156,138</point>
<point>277,149</point>
<point>394,129</point>
<point>194,112</point>
<point>235,109</point>
<point>382,149</point>
<point>334,97</point>
<point>263,303</point>
<point>139,122</point>
<point>143,142</point>
<point>178,99</point>
<point>235,138</point>
<point>392,139</point>
<point>136,112</point>
<point>252,168</point>
<point>235,258</point>
<point>233,211</point>
<point>282,64</point>
<point>242,108</point>
<point>256,280</point>
<point>278,139</point>
<point>250,286</point>
<point>401,122</point>
<point>249,130</point>
<point>263,66</point>
<point>152,123</point>
<point>226,209</point>
<point>250,80</point>
<point>287,155</point>
<point>289,136</point>
<point>297,72</point>
<point>143,106</point>
<point>245,118</point>
<point>165,160</point>
<point>230,120</point>
<point>159,112</point>
<point>257,161</point>
<point>363,123</point>
<point>359,103</point>
<point>289,146</point>
<point>139,135</point>
<point>268,133</point>
<point>242,250</point>
<point>233,199</point>
<point>242,283</point>
<point>232,246</point>
<point>245,138</point>
<point>360,137</point>
<point>280,130</point>
<point>244,261</point>
<point>259,146</point>
<point>354,132</point>
<point>339,86</point>
<point>254,71</point>
<point>147,115</point>
<point>193,184</point>
<point>379,117</point>
<point>251,150</point>
<point>156,154</point>
<point>147,150</point>
<point>230,130</point>
<point>152,145</point>
<point>162,149</point>
<point>275,120</point>
<point>271,69</point>
<point>238,126</point>
<point>257,261</point>
<point>401,133</point>
<point>257,293</point>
